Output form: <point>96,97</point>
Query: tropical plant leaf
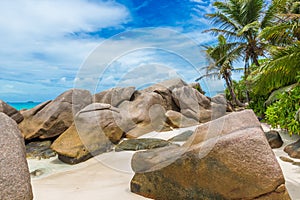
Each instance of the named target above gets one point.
<point>279,71</point>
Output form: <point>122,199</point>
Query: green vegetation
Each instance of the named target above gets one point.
<point>220,59</point>
<point>282,112</point>
<point>266,36</point>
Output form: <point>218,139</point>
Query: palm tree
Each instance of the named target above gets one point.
<point>284,46</point>
<point>280,70</point>
<point>220,59</point>
<point>241,21</point>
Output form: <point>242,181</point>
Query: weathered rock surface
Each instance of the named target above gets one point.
<point>96,128</point>
<point>178,120</point>
<point>219,99</point>
<point>39,150</point>
<point>274,139</point>
<point>293,149</point>
<point>197,86</point>
<point>146,107</point>
<point>141,144</point>
<point>192,103</point>
<point>143,128</point>
<point>14,173</point>
<point>218,110</point>
<point>165,90</point>
<point>114,96</point>
<point>144,114</point>
<point>228,158</point>
<point>171,84</point>
<point>52,118</point>
<point>182,136</point>
<point>286,159</point>
<point>37,172</point>
<point>11,112</point>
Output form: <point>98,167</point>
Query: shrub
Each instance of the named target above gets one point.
<point>282,112</point>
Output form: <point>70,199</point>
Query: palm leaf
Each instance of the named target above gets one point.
<point>250,11</point>
<point>280,71</point>
<point>272,10</point>
<point>221,20</point>
<point>254,26</point>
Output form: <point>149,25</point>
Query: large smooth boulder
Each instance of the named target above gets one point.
<point>14,173</point>
<point>11,112</point>
<point>178,120</point>
<point>219,99</point>
<point>140,129</point>
<point>114,96</point>
<point>139,110</point>
<point>274,139</point>
<point>145,113</point>
<point>52,118</point>
<point>192,103</point>
<point>165,90</point>
<point>171,84</point>
<point>293,149</point>
<point>228,158</point>
<point>96,129</point>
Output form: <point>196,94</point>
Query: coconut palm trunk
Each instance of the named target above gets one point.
<point>231,91</point>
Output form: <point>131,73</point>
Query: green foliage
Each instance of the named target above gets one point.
<point>220,59</point>
<point>279,71</point>
<point>239,89</point>
<point>241,21</point>
<point>252,29</point>
<point>282,112</point>
<point>257,104</point>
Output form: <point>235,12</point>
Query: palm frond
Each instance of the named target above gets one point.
<point>209,75</point>
<point>250,11</point>
<point>228,34</point>
<point>270,13</point>
<point>278,34</point>
<point>254,26</point>
<point>280,71</point>
<point>222,21</point>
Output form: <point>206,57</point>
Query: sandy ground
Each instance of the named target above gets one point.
<point>107,177</point>
<point>291,172</point>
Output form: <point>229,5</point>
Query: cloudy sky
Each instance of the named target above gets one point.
<point>50,46</point>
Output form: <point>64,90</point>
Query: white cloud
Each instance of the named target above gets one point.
<point>37,46</point>
<point>139,57</point>
<point>43,44</point>
<point>54,18</point>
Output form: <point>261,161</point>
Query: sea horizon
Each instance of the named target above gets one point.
<point>23,105</point>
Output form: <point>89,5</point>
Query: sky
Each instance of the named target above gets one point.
<point>48,47</point>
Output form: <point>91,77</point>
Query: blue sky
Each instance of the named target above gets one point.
<point>50,46</point>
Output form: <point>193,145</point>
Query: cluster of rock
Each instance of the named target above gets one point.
<point>82,125</point>
<point>228,158</point>
<point>228,155</point>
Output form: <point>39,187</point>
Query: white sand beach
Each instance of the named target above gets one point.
<point>291,172</point>
<point>108,176</point>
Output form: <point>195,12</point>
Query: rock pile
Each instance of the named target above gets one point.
<point>228,158</point>
<point>81,125</point>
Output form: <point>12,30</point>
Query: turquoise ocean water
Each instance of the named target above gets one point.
<point>23,105</point>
